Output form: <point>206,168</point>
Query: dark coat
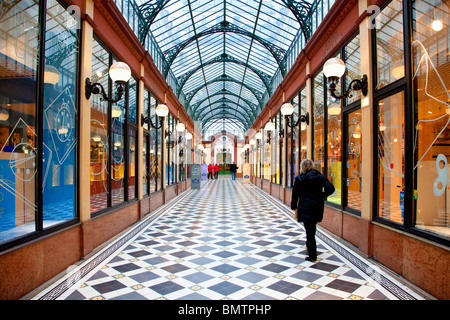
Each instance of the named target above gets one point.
<point>233,167</point>
<point>310,190</point>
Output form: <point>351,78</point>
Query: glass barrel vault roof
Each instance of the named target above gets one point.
<point>223,53</point>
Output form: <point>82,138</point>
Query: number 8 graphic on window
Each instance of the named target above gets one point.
<point>440,183</point>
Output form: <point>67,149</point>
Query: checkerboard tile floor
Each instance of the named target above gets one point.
<point>223,241</point>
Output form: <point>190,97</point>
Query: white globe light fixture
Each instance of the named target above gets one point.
<point>188,135</point>
<point>51,74</point>
<point>270,126</point>
<point>120,73</point>
<point>258,135</point>
<point>334,109</point>
<point>162,110</point>
<point>287,109</point>
<point>334,69</point>
<point>180,127</point>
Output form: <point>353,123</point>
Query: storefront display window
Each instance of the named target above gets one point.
<point>318,122</point>
<point>354,160</point>
<point>110,163</point>
<point>303,125</point>
<point>391,160</point>
<point>389,44</point>
<point>430,49</point>
<point>334,147</point>
<point>30,91</point>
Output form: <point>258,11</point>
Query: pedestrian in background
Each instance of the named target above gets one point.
<point>216,171</point>
<point>210,171</point>
<point>308,197</point>
<point>233,169</point>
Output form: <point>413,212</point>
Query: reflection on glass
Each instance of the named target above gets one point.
<point>334,148</point>
<point>391,157</point>
<point>295,116</point>
<point>352,56</point>
<point>117,155</point>
<point>303,125</point>
<point>354,158</point>
<point>153,151</point>
<point>18,61</point>
<point>318,119</point>
<point>132,164</point>
<point>99,131</point>
<point>60,114</point>
<point>389,44</point>
<point>431,20</point>
<point>132,99</point>
<point>145,168</point>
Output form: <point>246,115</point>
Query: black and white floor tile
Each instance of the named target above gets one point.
<point>227,240</point>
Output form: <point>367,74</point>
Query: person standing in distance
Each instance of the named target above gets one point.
<point>233,169</point>
<point>210,171</point>
<point>308,196</point>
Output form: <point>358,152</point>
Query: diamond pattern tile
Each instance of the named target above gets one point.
<point>227,240</point>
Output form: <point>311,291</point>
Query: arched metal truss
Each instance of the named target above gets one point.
<point>225,26</point>
<point>255,108</point>
<point>224,77</point>
<point>241,43</point>
<point>223,58</point>
<point>224,104</point>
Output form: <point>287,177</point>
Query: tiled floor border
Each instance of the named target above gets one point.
<point>369,269</point>
<point>62,285</point>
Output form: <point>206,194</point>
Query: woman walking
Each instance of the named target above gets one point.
<point>308,195</point>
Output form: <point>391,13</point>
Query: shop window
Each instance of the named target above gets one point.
<point>21,155</point>
<point>334,147</point>
<point>389,44</point>
<point>276,154</point>
<point>303,125</point>
<point>267,152</point>
<point>354,159</point>
<point>430,49</point>
<point>319,122</point>
<point>145,169</point>
<point>110,163</point>
<point>391,184</point>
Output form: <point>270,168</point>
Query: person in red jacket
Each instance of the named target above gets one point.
<point>210,171</point>
<point>216,171</point>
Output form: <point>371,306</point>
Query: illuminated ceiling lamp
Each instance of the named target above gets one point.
<point>437,25</point>
<point>188,135</point>
<point>258,135</point>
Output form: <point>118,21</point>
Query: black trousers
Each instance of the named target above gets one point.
<point>210,174</point>
<point>310,228</point>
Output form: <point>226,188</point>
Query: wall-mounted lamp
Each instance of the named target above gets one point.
<point>161,111</point>
<point>120,73</point>
<point>180,127</point>
<point>334,69</point>
<point>287,109</point>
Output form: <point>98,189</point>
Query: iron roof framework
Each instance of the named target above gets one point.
<point>224,53</point>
